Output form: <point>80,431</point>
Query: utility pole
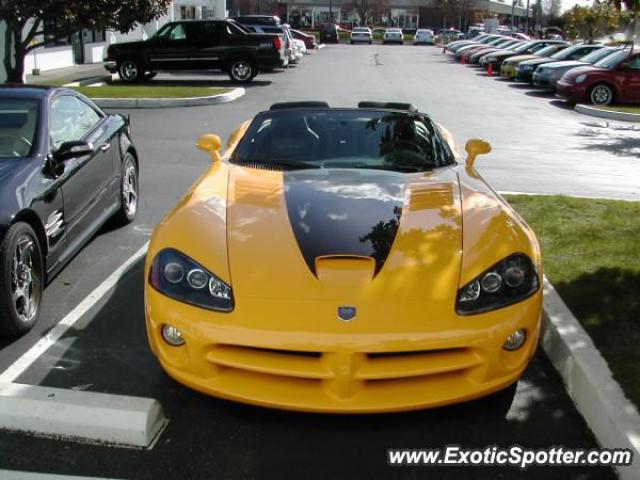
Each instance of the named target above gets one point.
<point>526,22</point>
<point>513,10</point>
<point>331,11</point>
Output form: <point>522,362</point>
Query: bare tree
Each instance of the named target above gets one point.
<point>368,9</point>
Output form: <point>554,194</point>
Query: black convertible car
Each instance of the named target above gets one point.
<point>66,167</point>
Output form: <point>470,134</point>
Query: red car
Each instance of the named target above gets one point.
<point>309,40</point>
<point>615,78</point>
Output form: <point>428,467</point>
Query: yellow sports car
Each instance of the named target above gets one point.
<point>343,260</point>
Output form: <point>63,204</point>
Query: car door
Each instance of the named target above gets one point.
<point>204,41</point>
<point>85,181</point>
<point>632,80</point>
<point>169,49</point>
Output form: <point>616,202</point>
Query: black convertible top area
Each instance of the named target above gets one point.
<point>395,106</point>
<point>375,135</point>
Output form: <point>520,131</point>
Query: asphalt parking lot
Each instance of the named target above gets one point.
<point>540,146</point>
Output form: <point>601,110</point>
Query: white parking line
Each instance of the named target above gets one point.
<point>24,362</point>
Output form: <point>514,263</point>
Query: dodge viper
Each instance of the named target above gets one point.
<point>343,260</point>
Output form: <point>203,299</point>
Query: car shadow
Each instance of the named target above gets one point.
<point>108,352</point>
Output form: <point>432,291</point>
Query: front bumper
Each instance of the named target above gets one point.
<point>110,66</point>
<point>316,369</point>
<point>524,76</point>
<point>547,82</point>
<point>508,70</point>
<point>569,92</point>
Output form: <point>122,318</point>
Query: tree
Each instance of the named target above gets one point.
<point>633,8</point>
<point>367,9</point>
<point>592,22</point>
<point>24,20</point>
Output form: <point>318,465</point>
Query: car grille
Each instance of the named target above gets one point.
<point>351,371</point>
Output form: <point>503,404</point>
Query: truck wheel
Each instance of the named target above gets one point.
<point>242,70</point>
<point>21,280</point>
<point>130,70</point>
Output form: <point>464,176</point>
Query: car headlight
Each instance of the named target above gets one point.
<point>509,281</point>
<point>581,78</point>
<point>181,278</point>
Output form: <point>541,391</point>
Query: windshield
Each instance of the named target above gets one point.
<point>566,53</point>
<point>612,60</point>
<point>18,120</point>
<point>522,47</point>
<point>547,51</point>
<point>367,139</point>
<point>598,55</point>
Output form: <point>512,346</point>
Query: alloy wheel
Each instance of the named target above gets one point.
<point>25,280</point>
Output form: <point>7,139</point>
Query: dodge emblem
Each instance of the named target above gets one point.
<point>346,314</point>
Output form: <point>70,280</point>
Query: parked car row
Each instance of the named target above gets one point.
<point>330,33</point>
<point>592,73</point>
<point>241,47</point>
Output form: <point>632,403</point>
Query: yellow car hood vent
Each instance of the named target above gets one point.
<point>327,233</point>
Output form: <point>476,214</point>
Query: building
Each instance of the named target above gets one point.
<point>407,14</point>
<point>87,46</point>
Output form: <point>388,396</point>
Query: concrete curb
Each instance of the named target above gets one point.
<point>169,102</point>
<point>597,112</point>
<point>89,416</point>
<point>589,381</point>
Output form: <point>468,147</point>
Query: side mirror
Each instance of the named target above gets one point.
<point>475,147</point>
<point>74,149</point>
<point>210,142</point>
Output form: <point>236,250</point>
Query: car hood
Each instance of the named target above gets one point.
<point>566,64</point>
<point>538,61</point>
<point>332,232</point>
<point>586,69</point>
<point>521,58</point>
<point>503,54</point>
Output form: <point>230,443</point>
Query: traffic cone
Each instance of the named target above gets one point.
<point>490,70</point>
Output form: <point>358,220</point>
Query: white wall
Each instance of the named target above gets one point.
<point>48,58</point>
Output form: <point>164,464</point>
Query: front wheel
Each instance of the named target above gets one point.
<point>129,191</point>
<point>130,71</point>
<point>21,280</point>
<point>242,70</point>
<point>601,94</point>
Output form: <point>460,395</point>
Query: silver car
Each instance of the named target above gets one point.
<point>424,36</point>
<point>393,35</point>
<point>361,35</point>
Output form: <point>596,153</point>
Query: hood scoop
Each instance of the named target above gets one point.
<point>344,213</point>
<point>345,270</point>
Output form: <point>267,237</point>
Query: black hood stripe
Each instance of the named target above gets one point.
<point>344,212</point>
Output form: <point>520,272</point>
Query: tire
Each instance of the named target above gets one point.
<point>129,191</point>
<point>370,43</point>
<point>130,70</point>
<point>242,70</point>
<point>601,94</point>
<point>21,280</point>
<point>351,42</point>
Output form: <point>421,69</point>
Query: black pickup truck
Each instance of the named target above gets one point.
<point>197,45</point>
